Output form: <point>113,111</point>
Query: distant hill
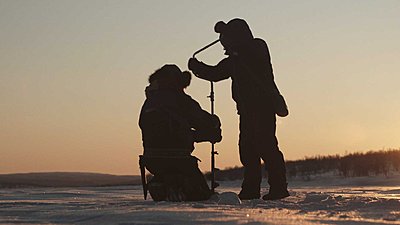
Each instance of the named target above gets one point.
<point>65,179</point>
<point>372,163</point>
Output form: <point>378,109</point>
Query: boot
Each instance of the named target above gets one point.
<point>245,195</point>
<point>250,185</point>
<point>276,193</point>
<point>157,190</point>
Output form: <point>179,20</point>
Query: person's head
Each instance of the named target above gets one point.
<point>234,33</point>
<point>170,76</point>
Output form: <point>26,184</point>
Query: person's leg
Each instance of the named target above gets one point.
<point>276,169</point>
<point>177,179</point>
<point>195,185</point>
<point>275,165</point>
<point>156,185</point>
<point>267,145</point>
<point>249,159</point>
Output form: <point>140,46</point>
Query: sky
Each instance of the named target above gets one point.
<point>73,73</point>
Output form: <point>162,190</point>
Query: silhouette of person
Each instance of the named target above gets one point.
<point>248,65</point>
<point>171,121</point>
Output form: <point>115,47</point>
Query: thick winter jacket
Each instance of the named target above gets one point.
<point>251,72</point>
<point>171,120</point>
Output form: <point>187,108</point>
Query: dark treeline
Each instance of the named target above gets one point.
<point>371,163</point>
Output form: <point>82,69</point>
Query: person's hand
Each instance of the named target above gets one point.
<point>217,136</point>
<point>193,64</point>
<point>216,121</point>
<point>211,135</point>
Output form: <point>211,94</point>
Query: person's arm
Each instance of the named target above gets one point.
<point>221,71</point>
<point>206,126</point>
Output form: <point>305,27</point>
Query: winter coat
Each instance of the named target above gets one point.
<point>172,121</point>
<point>251,72</point>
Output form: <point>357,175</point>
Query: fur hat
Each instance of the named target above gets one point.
<point>171,75</point>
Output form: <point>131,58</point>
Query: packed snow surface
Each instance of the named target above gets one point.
<point>309,203</point>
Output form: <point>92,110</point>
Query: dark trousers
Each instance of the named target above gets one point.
<point>180,173</point>
<point>257,141</point>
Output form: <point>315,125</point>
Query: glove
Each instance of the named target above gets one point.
<point>212,135</point>
<point>194,64</point>
<point>217,137</point>
<point>215,120</point>
<point>211,132</point>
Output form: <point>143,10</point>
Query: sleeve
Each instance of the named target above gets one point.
<point>206,126</point>
<point>197,117</point>
<point>221,71</point>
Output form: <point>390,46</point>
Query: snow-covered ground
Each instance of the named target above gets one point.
<point>323,201</point>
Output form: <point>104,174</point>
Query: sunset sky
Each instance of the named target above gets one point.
<point>73,73</point>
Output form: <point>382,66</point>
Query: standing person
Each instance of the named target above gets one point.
<point>171,121</point>
<point>249,66</point>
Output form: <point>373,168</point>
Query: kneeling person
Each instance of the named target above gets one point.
<point>171,121</point>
